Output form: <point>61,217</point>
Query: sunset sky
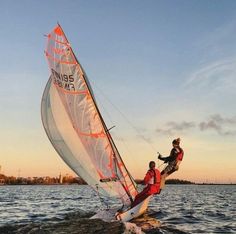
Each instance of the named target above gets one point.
<point>159,70</point>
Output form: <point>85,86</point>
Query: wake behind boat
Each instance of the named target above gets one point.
<point>77,130</point>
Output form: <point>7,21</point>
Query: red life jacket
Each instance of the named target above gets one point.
<point>180,154</point>
<point>153,179</point>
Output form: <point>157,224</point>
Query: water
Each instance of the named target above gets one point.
<point>180,208</point>
<point>198,208</point>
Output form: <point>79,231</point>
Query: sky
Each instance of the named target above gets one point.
<point>159,70</point>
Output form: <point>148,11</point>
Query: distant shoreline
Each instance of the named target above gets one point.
<point>186,182</point>
<point>69,180</point>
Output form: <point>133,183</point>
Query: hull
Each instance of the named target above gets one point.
<point>134,212</point>
<point>125,216</point>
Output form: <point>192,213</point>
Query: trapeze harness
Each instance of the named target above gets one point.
<point>174,165</point>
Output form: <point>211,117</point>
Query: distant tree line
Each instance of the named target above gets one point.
<point>12,180</point>
<point>170,181</point>
<point>177,181</point>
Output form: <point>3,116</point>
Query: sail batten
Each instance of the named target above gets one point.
<point>70,115</point>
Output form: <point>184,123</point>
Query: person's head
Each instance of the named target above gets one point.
<point>152,165</point>
<point>176,142</point>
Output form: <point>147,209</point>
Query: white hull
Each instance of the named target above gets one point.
<point>125,216</point>
<point>134,212</point>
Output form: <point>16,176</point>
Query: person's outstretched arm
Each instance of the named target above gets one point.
<point>169,158</point>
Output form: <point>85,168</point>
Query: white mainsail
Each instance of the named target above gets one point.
<point>75,126</point>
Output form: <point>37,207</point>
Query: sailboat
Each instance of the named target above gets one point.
<point>77,131</point>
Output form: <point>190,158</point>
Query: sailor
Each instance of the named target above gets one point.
<point>175,158</point>
<point>152,180</point>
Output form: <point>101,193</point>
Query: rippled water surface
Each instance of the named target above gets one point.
<point>180,208</point>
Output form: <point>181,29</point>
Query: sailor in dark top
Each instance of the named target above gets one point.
<point>176,156</point>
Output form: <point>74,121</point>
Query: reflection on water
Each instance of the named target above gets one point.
<point>180,208</point>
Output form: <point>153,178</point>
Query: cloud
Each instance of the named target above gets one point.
<point>223,126</point>
<point>217,39</point>
<point>209,125</point>
<point>174,127</point>
<point>218,65</point>
<point>141,134</point>
<point>211,82</point>
<point>216,75</point>
<point>181,126</point>
<point>145,138</point>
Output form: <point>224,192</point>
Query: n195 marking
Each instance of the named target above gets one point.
<point>63,80</point>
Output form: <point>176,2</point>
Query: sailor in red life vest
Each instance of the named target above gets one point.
<point>175,158</point>
<point>152,180</point>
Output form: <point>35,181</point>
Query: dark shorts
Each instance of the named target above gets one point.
<point>171,167</point>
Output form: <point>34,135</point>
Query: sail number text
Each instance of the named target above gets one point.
<point>63,80</point>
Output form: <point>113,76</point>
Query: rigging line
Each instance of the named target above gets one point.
<point>99,98</point>
<point>105,111</point>
<point>131,153</point>
<point>125,182</point>
<point>161,165</point>
<point>123,115</point>
<point>125,146</point>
